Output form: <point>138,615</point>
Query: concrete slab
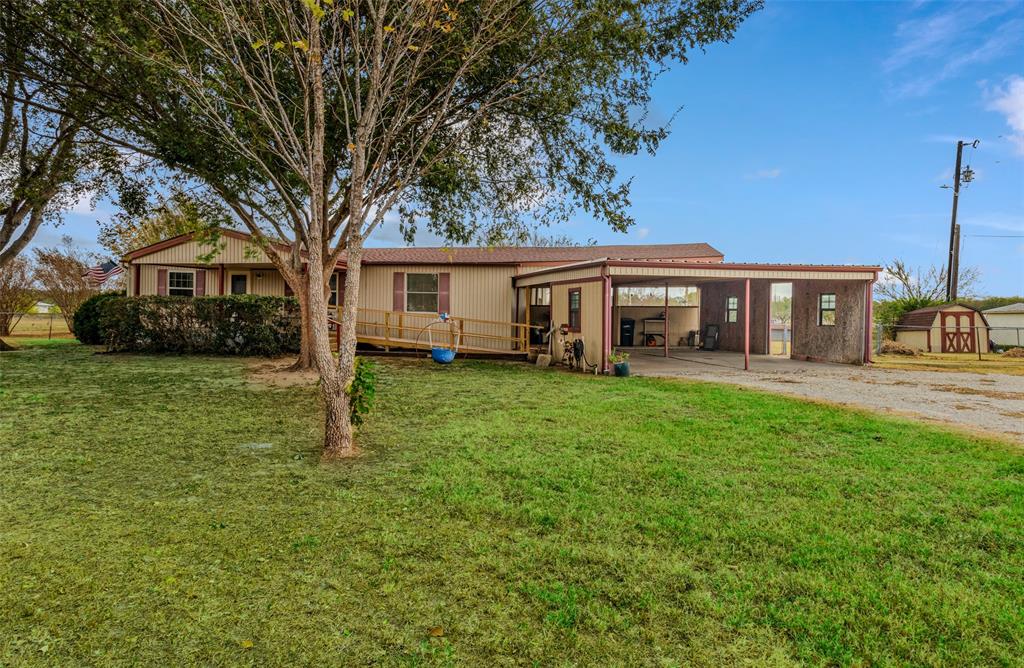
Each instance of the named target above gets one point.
<point>991,403</point>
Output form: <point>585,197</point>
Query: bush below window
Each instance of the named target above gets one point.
<point>228,325</point>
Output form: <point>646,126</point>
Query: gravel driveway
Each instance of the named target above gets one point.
<point>992,403</point>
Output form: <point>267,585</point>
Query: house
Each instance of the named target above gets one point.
<point>508,300</point>
<point>1006,324</point>
<point>946,328</point>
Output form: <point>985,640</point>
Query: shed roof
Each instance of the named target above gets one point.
<point>1009,308</point>
<point>924,318</point>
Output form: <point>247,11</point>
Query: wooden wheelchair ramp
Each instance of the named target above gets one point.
<point>398,330</point>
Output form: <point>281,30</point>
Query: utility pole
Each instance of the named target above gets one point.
<point>954,244</point>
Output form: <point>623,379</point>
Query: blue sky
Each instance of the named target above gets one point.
<point>823,133</point>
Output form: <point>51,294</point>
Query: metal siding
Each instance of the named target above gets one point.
<point>270,283</point>
<point>234,251</point>
<point>751,273</point>
<point>591,321</point>
<point>557,276</point>
<point>482,292</point>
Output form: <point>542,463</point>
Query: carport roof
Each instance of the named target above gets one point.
<point>620,268</point>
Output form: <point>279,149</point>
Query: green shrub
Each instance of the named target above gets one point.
<point>229,325</point>
<point>87,319</point>
<point>362,390</point>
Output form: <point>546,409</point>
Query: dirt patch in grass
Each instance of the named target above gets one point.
<point>279,373</point>
<point>991,394</point>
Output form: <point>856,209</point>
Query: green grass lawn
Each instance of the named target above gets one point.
<point>167,511</point>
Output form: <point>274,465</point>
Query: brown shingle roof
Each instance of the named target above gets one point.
<point>529,255</point>
<point>923,318</point>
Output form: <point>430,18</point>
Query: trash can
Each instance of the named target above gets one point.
<point>626,328</point>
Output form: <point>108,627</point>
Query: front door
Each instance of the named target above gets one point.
<point>957,332</point>
<point>239,284</point>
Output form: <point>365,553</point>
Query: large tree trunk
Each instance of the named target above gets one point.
<point>305,359</point>
<point>339,427</point>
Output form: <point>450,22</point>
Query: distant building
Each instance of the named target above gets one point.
<point>1006,324</point>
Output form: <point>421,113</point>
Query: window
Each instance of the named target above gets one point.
<point>732,309</point>
<point>239,284</point>
<point>181,283</point>
<point>827,309</point>
<point>333,300</point>
<point>651,296</point>
<point>421,293</point>
<point>575,300</point>
<point>540,296</point>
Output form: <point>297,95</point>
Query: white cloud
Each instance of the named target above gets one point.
<point>641,233</point>
<point>1009,101</point>
<point>941,45</point>
<point>772,173</point>
<point>1001,222</point>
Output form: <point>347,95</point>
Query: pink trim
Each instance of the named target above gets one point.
<point>701,264</point>
<point>746,325</point>
<point>398,291</point>
<point>664,327</point>
<point>606,319</point>
<point>161,282</point>
<point>869,324</point>
<point>444,282</point>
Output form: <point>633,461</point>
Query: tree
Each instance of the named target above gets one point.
<point>16,293</point>
<point>60,274</point>
<point>177,213</point>
<point>899,281</point>
<point>49,158</point>
<point>539,240</point>
<point>782,310</point>
<point>314,119</point>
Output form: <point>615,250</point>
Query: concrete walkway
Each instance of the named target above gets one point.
<point>992,403</point>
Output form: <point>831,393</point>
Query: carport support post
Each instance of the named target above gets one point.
<point>746,325</point>
<point>665,330</point>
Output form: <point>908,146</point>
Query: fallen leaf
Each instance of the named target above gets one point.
<point>247,644</point>
<point>436,631</point>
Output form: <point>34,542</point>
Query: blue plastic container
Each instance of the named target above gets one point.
<point>442,355</point>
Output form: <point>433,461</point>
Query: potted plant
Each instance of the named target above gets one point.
<point>620,363</point>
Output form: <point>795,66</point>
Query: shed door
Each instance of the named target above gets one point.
<point>957,332</point>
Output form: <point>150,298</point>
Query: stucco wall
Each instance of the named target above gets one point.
<point>842,342</point>
<point>713,298</point>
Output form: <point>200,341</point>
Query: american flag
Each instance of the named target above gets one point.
<point>101,273</point>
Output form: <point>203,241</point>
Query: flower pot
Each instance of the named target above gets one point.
<point>621,369</point>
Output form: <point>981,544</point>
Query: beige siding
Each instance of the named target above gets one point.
<point>681,320</point>
<point>478,292</point>
<point>555,276</point>
<point>591,321</point>
<point>232,251</point>
<point>267,282</point>
<point>917,340</point>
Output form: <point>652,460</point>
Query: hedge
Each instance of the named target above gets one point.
<point>87,319</point>
<point>229,325</point>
